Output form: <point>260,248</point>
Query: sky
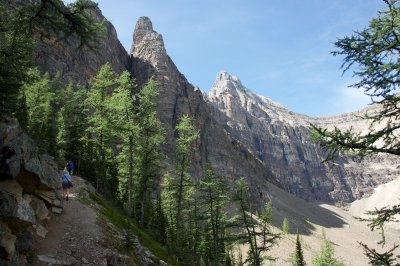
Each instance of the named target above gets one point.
<point>278,49</point>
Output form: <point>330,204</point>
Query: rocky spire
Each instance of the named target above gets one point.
<point>226,83</point>
<point>147,43</point>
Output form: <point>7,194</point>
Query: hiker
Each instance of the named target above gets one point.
<point>70,167</point>
<point>66,183</point>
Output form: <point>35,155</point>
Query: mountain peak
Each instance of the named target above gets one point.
<point>146,39</point>
<point>225,76</point>
<point>226,83</point>
<point>144,24</point>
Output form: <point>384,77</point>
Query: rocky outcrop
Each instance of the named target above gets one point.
<point>29,192</point>
<point>80,64</point>
<point>281,140</point>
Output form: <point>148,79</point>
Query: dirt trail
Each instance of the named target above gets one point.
<point>74,237</point>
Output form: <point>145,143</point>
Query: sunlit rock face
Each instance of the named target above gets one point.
<point>281,140</point>
<point>241,134</point>
<point>177,97</point>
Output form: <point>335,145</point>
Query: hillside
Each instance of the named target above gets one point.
<point>192,190</point>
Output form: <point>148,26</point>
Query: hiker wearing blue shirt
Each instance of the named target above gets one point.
<point>70,167</point>
<point>66,182</point>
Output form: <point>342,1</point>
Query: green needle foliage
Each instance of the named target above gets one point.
<point>285,226</point>
<point>374,55</point>
<point>258,234</point>
<point>326,256</point>
<point>297,258</point>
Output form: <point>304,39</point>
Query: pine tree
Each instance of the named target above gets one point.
<point>187,134</point>
<point>72,124</point>
<point>99,131</point>
<point>285,226</point>
<point>40,121</point>
<point>297,259</point>
<point>214,197</point>
<point>151,136</point>
<point>326,256</point>
<point>258,234</point>
<point>373,53</point>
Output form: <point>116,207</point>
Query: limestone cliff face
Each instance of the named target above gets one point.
<point>281,140</point>
<point>177,97</point>
<point>79,65</point>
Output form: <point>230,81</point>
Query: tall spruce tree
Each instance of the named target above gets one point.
<point>126,130</point>
<point>99,131</point>
<point>213,199</point>
<point>187,134</point>
<point>179,202</point>
<point>297,258</point>
<point>326,256</point>
<point>373,53</point>
<point>72,124</point>
<point>258,234</point>
<point>38,95</point>
<point>150,137</point>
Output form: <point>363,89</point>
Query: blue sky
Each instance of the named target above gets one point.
<point>278,49</point>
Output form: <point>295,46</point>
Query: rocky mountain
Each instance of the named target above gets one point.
<point>241,134</point>
<point>280,139</point>
<point>177,97</point>
<point>80,64</point>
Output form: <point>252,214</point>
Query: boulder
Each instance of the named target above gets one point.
<point>13,206</point>
<point>40,208</point>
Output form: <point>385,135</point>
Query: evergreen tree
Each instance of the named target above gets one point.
<point>285,226</point>
<point>326,256</point>
<point>72,124</point>
<point>99,131</point>
<point>214,198</point>
<point>258,234</point>
<point>39,97</point>
<point>297,258</point>
<point>126,129</point>
<point>187,134</point>
<point>150,137</point>
<point>374,54</point>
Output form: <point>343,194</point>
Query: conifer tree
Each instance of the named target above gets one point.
<point>187,134</point>
<point>285,226</point>
<point>214,197</point>
<point>126,129</point>
<point>71,124</point>
<point>150,137</point>
<point>39,97</point>
<point>326,256</point>
<point>258,234</point>
<point>179,203</point>
<point>373,53</point>
<point>99,123</point>
<point>297,259</point>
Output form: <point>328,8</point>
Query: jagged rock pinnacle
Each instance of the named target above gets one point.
<point>147,43</point>
<point>144,24</point>
<point>226,82</point>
